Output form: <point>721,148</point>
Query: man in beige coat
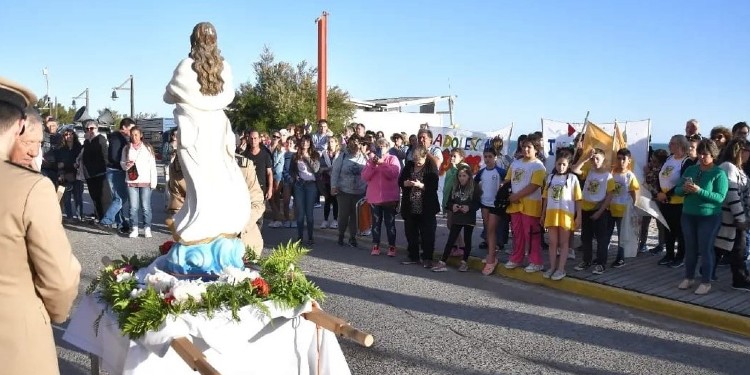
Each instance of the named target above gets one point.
<point>39,274</point>
<point>250,235</point>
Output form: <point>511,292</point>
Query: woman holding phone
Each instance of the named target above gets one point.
<point>381,175</point>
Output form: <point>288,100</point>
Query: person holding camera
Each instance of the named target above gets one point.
<point>381,175</point>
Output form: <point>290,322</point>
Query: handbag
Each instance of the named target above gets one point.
<point>133,173</point>
<point>502,198</point>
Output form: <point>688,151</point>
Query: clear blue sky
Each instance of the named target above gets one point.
<point>507,61</point>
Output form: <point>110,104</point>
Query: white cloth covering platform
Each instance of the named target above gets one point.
<point>286,344</point>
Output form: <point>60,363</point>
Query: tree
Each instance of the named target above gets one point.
<point>62,115</point>
<point>284,94</point>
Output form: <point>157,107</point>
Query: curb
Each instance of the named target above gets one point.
<point>704,316</point>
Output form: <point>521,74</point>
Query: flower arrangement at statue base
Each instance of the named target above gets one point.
<point>142,297</point>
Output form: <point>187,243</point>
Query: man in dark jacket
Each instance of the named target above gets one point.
<point>94,159</point>
<point>51,142</point>
<point>117,214</point>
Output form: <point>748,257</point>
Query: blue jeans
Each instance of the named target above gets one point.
<point>140,196</point>
<point>116,214</point>
<point>305,196</point>
<point>74,189</point>
<point>382,214</point>
<point>699,233</point>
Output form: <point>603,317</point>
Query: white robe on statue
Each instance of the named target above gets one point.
<point>216,201</point>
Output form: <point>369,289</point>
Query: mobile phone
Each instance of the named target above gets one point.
<point>689,180</point>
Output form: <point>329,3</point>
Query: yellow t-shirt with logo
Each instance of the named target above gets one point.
<point>669,177</point>
<point>595,189</point>
<point>523,173</point>
<point>561,192</point>
<point>624,184</point>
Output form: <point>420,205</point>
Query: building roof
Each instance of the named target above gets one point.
<point>386,104</point>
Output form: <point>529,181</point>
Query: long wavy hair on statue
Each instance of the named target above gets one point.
<point>208,63</point>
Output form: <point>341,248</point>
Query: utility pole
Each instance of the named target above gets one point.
<point>322,66</point>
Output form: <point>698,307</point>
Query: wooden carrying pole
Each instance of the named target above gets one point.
<point>338,326</point>
<point>193,357</point>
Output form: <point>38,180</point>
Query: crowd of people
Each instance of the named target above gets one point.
<point>700,185</point>
<point>118,168</point>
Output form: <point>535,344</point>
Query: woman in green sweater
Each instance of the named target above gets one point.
<point>704,187</point>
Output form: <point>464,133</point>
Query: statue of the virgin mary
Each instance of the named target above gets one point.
<point>217,201</point>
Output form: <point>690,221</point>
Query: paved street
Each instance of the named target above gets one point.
<point>455,323</point>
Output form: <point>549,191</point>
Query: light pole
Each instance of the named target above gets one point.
<point>47,101</point>
<point>85,94</point>
<point>132,93</point>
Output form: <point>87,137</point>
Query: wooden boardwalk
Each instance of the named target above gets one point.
<point>642,274</point>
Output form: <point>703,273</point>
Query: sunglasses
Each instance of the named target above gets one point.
<point>90,129</point>
<point>275,136</point>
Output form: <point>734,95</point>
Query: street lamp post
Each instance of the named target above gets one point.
<point>47,100</point>
<point>132,93</point>
<point>85,94</point>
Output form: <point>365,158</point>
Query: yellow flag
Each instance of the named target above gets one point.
<point>596,137</point>
<point>618,143</point>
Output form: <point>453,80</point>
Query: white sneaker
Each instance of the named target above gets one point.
<point>533,268</point>
<point>334,225</point>
<point>133,232</point>
<point>147,232</point>
<point>571,254</point>
<point>558,275</point>
<point>324,225</point>
<point>510,265</point>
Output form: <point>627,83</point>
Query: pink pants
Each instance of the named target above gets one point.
<point>526,232</point>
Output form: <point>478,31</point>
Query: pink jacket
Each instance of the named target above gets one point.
<point>382,180</point>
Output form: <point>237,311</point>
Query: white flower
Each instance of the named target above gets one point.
<point>135,293</point>
<point>125,276</point>
<point>160,281</point>
<point>185,289</point>
<point>234,276</point>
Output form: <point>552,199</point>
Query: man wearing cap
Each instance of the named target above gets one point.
<point>40,275</point>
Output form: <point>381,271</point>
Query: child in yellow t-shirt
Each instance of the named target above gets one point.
<point>624,196</point>
<point>526,177</point>
<point>595,216</point>
<point>561,213</point>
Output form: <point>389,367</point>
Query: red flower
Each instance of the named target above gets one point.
<point>126,268</point>
<point>169,299</point>
<point>165,247</point>
<point>261,287</point>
